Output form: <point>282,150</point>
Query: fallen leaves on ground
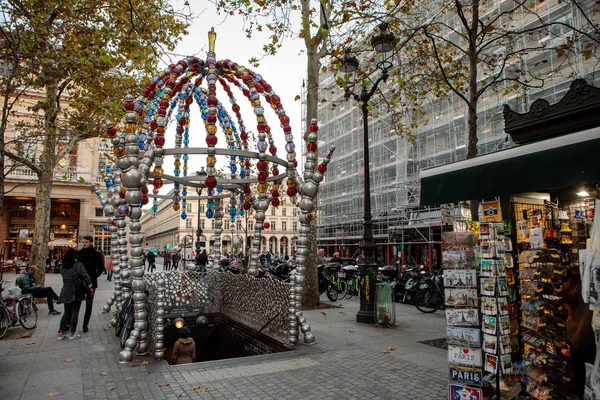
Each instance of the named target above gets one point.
<point>386,351</point>
<point>146,362</point>
<point>162,384</point>
<point>135,365</point>
<point>110,388</point>
<point>52,394</point>
<point>200,389</point>
<point>351,331</point>
<point>104,373</point>
<point>68,359</point>
<point>30,343</point>
<point>329,326</point>
<point>322,312</point>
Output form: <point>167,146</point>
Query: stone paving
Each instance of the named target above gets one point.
<point>347,362</point>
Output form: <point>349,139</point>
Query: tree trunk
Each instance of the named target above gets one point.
<point>472,105</point>
<point>44,186</point>
<point>310,295</point>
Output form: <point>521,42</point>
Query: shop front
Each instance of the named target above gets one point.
<point>537,212</point>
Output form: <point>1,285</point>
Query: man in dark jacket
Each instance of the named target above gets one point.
<point>94,265</point>
<point>202,260</point>
<point>151,260</point>
<point>27,284</point>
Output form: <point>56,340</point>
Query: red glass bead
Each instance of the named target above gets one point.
<point>247,206</point>
<point>235,108</point>
<point>189,100</point>
<point>164,103</point>
<point>129,106</point>
<point>151,85</point>
<point>262,177</point>
<point>211,140</point>
<point>275,203</point>
<point>111,132</point>
<point>198,81</point>
<point>244,136</point>
<point>153,124</point>
<point>268,99</point>
<point>267,225</point>
<point>159,140</point>
<point>180,129</point>
<point>144,190</point>
<point>291,191</point>
<point>177,87</point>
<point>267,87</point>
<point>276,99</point>
<point>122,195</point>
<point>259,87</point>
<point>295,163</point>
<point>170,82</point>
<point>184,79</point>
<point>284,119</point>
<point>247,190</point>
<point>273,149</point>
<point>314,127</point>
<point>275,194</point>
<point>287,129</point>
<point>145,200</point>
<point>247,79</point>
<point>157,183</point>
<point>261,126</point>
<point>275,172</point>
<point>146,92</point>
<point>212,101</point>
<point>212,118</point>
<point>312,147</point>
<point>210,182</point>
<point>262,165</point>
<point>162,111</point>
<point>182,121</point>
<point>246,92</point>
<point>322,168</point>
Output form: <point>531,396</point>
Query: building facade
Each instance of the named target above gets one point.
<point>401,227</point>
<point>166,230</point>
<point>75,210</point>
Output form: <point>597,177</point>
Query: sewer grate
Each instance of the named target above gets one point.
<point>439,343</point>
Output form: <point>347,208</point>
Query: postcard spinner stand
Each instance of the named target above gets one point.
<point>498,345</point>
<point>462,316</point>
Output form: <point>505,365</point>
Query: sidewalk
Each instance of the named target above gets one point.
<point>346,362</point>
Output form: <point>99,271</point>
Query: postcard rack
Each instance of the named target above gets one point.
<point>546,350</point>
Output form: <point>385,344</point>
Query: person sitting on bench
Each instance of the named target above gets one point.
<point>27,284</point>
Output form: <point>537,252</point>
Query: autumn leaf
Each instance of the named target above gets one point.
<point>68,359</point>
<point>29,344</point>
<point>385,351</point>
<point>200,389</point>
<point>297,97</point>
<point>104,373</point>
<point>110,388</point>
<point>329,326</point>
<point>146,362</point>
<point>162,384</point>
<point>52,394</point>
<point>392,348</point>
<point>351,331</point>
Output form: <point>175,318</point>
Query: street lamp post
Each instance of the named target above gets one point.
<point>382,43</point>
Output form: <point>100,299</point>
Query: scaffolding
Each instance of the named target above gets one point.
<point>395,162</point>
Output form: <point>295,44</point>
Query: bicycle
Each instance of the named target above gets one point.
<point>15,309</point>
<point>430,296</point>
<point>353,287</point>
<point>125,317</point>
<point>338,281</point>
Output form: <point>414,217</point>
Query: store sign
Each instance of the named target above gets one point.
<point>458,392</point>
<point>472,376</point>
<point>464,356</point>
<point>491,211</point>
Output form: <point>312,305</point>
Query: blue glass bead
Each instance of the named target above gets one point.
<point>186,142</point>
<point>176,171</point>
<point>183,215</point>
<point>176,185</point>
<point>186,157</point>
<point>241,213</point>
<point>210,205</point>
<point>232,220</point>
<point>219,190</point>
<point>233,168</point>
<point>210,213</point>
<point>184,192</point>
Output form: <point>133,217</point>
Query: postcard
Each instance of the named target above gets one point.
<point>505,344</point>
<point>502,287</point>
<point>488,267</point>
<point>503,306</point>
<point>457,240</point>
<point>504,325</point>
<point>506,364</point>
<point>458,392</point>
<point>486,250</point>
<point>490,344</point>
<point>465,337</point>
<point>485,231</point>
<point>460,297</point>
<point>488,287</point>
<point>458,259</point>
<point>489,324</point>
<point>488,306</point>
<point>462,317</point>
<point>491,363</point>
<point>464,355</point>
<point>500,268</point>
<point>469,375</point>
<point>460,278</point>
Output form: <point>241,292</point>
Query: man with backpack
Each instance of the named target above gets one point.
<point>94,265</point>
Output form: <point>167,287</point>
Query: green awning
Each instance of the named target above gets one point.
<point>548,165</point>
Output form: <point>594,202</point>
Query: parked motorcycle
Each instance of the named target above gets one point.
<point>406,284</point>
<point>280,270</point>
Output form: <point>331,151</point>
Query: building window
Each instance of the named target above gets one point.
<point>284,225</point>
<point>283,211</point>
<point>202,224</point>
<point>272,210</point>
<point>188,223</point>
<point>273,226</point>
<point>201,208</point>
<point>99,212</point>
<point>239,225</point>
<point>212,224</point>
<point>295,226</point>
<point>250,225</point>
<point>226,226</point>
<point>102,239</point>
<point>188,207</point>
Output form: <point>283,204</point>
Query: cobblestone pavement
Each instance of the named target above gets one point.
<point>347,362</point>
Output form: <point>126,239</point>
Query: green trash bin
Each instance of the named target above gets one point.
<point>385,308</point>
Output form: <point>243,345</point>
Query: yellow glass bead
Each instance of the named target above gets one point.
<point>177,163</point>
<point>262,187</point>
<point>206,123</point>
<point>273,106</point>
<point>242,163</point>
<point>246,197</point>
<point>212,129</point>
<point>158,172</point>
<point>228,131</point>
<point>291,182</point>
<point>161,74</point>
<point>185,167</point>
<point>176,207</point>
<point>260,118</point>
<point>311,216</point>
<point>256,103</point>
<point>211,161</point>
<point>119,151</point>
<point>275,186</point>
<point>245,143</point>
<point>130,128</point>
<point>123,190</point>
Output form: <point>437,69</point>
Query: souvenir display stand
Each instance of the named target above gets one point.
<point>462,316</point>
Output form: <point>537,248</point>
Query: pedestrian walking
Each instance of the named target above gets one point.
<point>94,265</point>
<point>109,275</point>
<point>27,284</point>
<point>151,260</point>
<point>167,262</point>
<point>76,285</point>
<point>175,259</point>
<point>202,261</point>
<point>184,351</point>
